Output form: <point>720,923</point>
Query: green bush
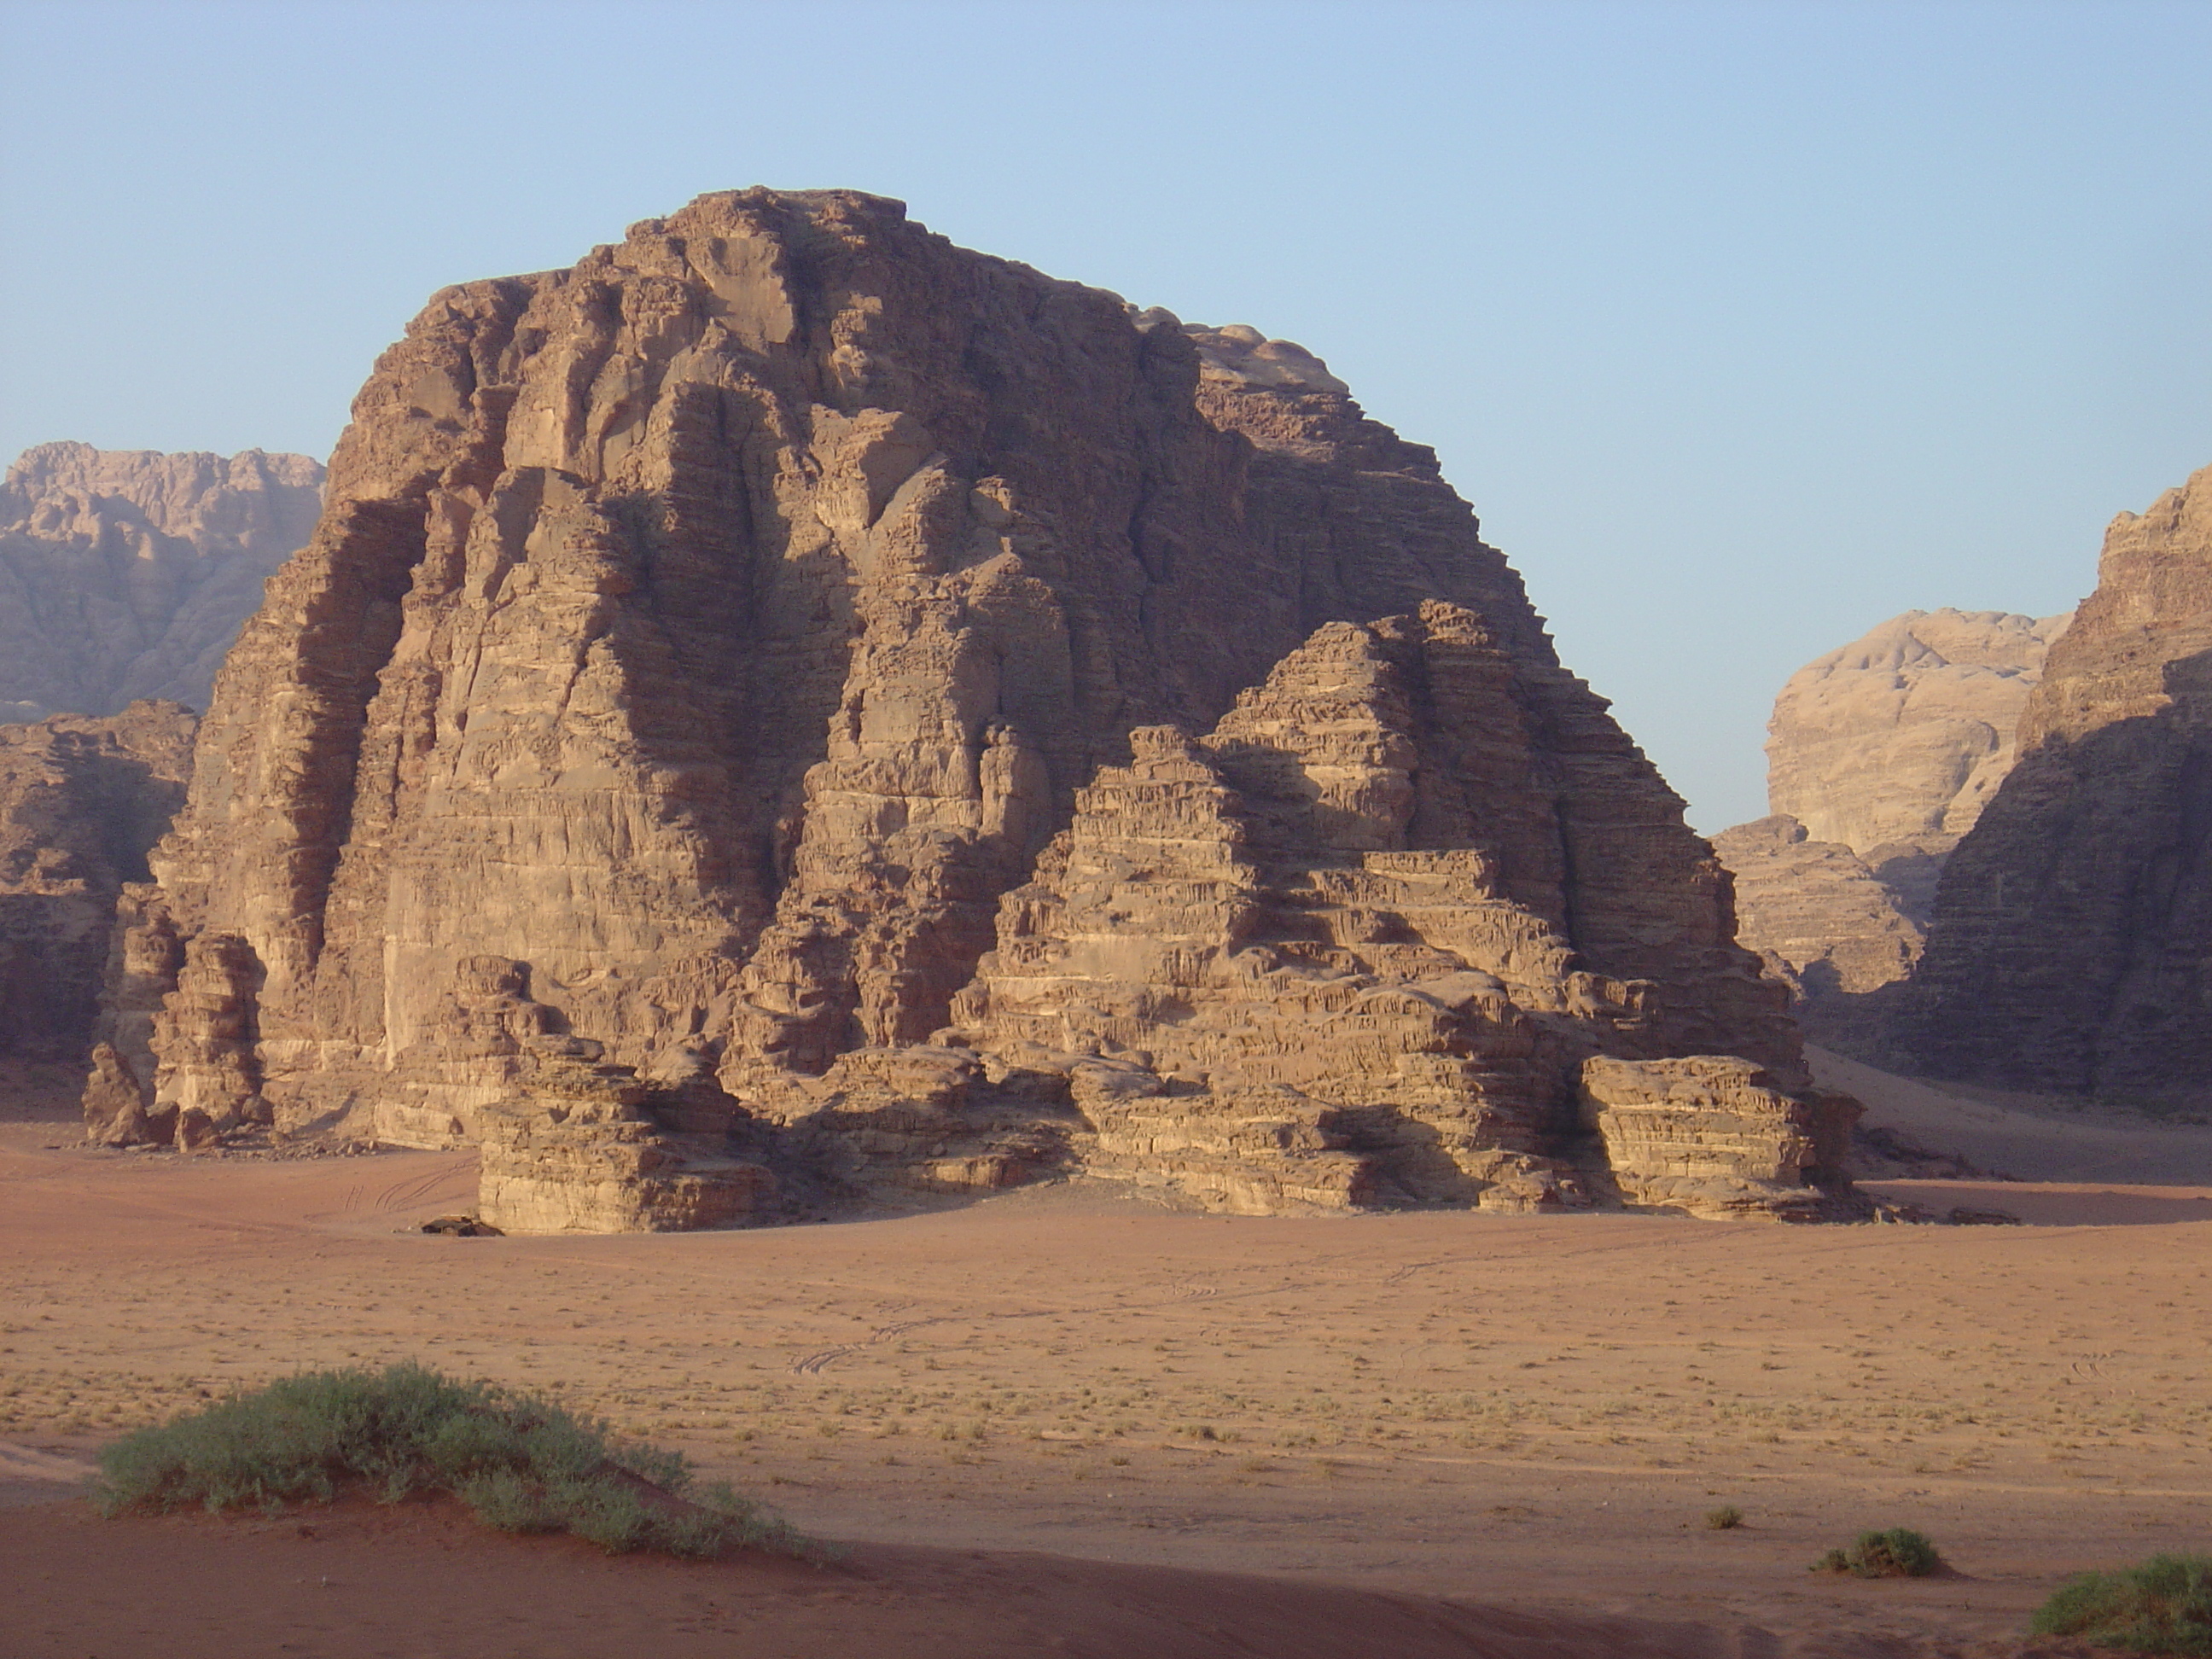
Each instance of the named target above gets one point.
<point>2164,1606</point>
<point>521,1463</point>
<point>1727,1518</point>
<point>1898,1552</point>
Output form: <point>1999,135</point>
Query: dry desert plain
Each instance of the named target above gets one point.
<point>1074,1421</point>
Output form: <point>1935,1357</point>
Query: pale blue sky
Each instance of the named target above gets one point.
<point>1743,327</point>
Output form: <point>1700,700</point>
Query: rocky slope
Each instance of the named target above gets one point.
<point>2067,951</point>
<point>724,666</point>
<point>82,801</point>
<point>126,573</point>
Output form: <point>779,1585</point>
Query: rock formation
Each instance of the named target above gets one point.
<point>2068,952</point>
<point>735,666</point>
<point>126,573</point>
<point>1880,756</point>
<point>80,801</point>
<point>1825,920</point>
<point>1903,735</point>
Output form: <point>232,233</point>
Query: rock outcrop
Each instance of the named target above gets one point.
<point>1825,920</point>
<point>1880,756</point>
<point>761,638</point>
<point>126,574</point>
<point>1902,736</point>
<point>1322,955</point>
<point>2068,952</point>
<point>82,801</point>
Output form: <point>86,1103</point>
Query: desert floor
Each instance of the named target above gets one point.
<point>1416,1418</point>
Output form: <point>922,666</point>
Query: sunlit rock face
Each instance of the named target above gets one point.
<point>761,638</point>
<point>1903,735</point>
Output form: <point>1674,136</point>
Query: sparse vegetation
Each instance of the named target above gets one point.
<point>1727,1518</point>
<point>519,1462</point>
<point>2163,1605</point>
<point>1896,1553</point>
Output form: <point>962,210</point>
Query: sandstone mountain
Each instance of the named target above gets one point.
<point>2067,951</point>
<point>789,707</point>
<point>1880,756</point>
<point>126,573</point>
<point>82,801</point>
<point>1903,735</point>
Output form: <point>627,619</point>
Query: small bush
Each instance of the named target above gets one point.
<point>521,1463</point>
<point>1899,1553</point>
<point>1726,1518</point>
<point>2164,1606</point>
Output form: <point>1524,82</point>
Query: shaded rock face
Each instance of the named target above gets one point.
<point>82,801</point>
<point>722,629</point>
<point>126,573</point>
<point>2068,950</point>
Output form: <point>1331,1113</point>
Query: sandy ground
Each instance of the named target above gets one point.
<point>1465,1414</point>
<point>2035,1137</point>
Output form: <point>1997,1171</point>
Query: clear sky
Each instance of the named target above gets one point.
<point>1743,327</point>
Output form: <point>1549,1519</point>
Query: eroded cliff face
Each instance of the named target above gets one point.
<point>1880,756</point>
<point>701,644</point>
<point>126,573</point>
<point>1903,735</point>
<point>82,800</point>
<point>1827,921</point>
<point>2067,948</point>
<point>1324,953</point>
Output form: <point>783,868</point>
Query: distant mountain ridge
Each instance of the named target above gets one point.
<point>127,574</point>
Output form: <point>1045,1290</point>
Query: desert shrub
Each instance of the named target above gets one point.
<point>1726,1518</point>
<point>1898,1553</point>
<point>2163,1605</point>
<point>521,1463</point>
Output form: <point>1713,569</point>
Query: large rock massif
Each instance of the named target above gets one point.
<point>1880,755</point>
<point>2068,950</point>
<point>1904,734</point>
<point>126,573</point>
<point>792,707</point>
<point>82,801</point>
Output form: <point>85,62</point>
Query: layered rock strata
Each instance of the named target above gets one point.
<point>1322,956</point>
<point>82,801</point>
<point>126,574</point>
<point>2067,951</point>
<point>727,631</point>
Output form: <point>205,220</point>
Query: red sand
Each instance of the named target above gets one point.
<point>1369,1433</point>
<point>425,1583</point>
